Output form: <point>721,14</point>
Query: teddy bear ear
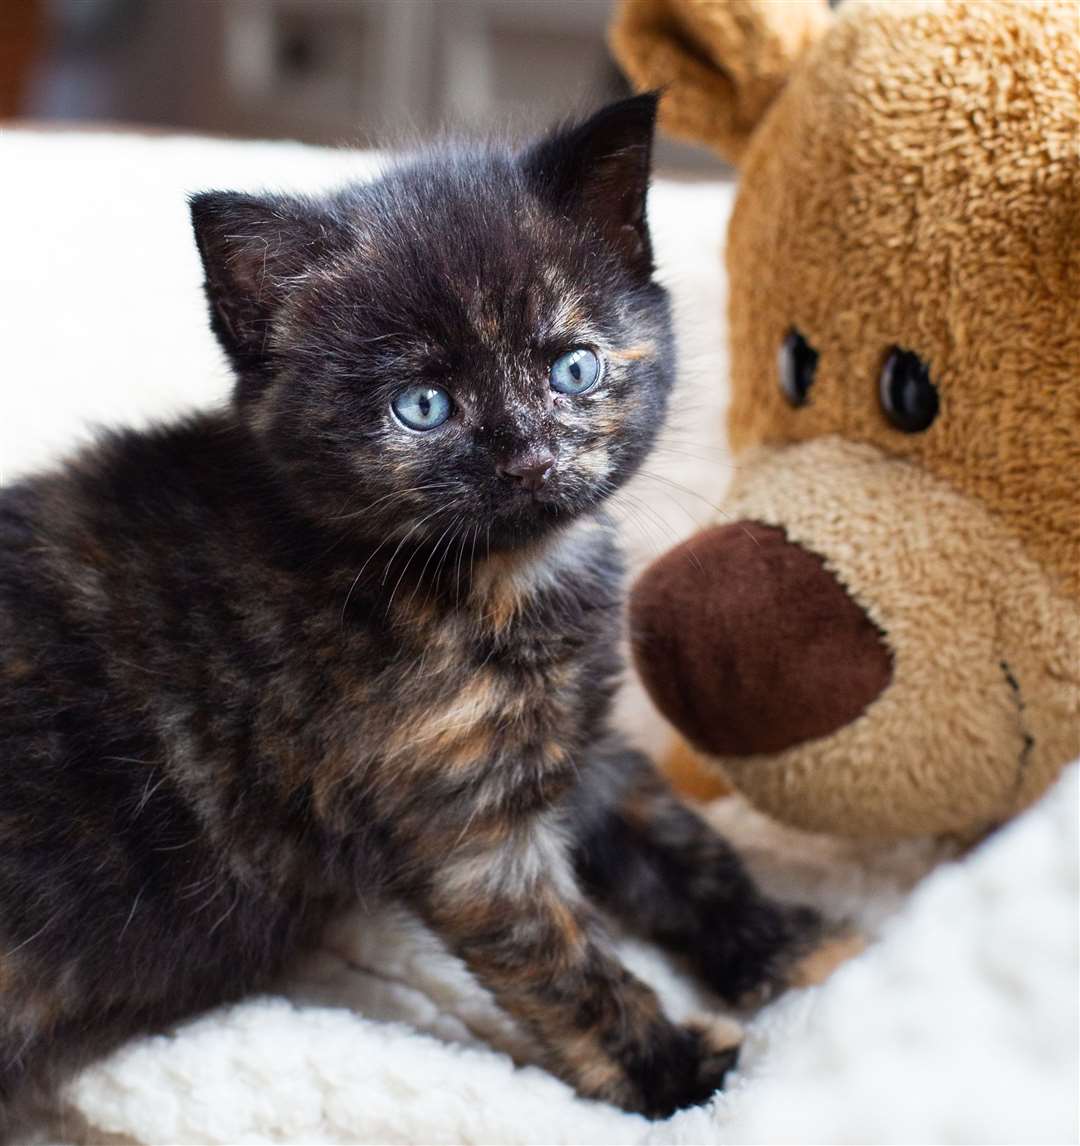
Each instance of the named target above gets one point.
<point>721,63</point>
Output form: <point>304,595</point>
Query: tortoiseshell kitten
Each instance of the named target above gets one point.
<point>355,635</point>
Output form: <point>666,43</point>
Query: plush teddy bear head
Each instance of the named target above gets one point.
<point>882,637</point>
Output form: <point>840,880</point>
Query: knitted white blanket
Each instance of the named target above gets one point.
<point>959,1024</point>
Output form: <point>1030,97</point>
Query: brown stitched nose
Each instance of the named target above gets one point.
<point>528,471</point>
<point>748,644</point>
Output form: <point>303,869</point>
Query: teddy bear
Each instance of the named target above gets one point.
<point>880,638</point>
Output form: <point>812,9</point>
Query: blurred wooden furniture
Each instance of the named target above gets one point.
<point>20,40</point>
<point>364,72</point>
<point>384,68</point>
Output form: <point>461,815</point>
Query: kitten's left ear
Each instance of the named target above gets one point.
<point>599,171</point>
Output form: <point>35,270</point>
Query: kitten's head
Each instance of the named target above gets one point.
<point>474,339</point>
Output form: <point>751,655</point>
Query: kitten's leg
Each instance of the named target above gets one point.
<point>513,911</point>
<point>28,1071</point>
<point>651,860</point>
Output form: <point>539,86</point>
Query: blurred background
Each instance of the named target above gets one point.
<point>353,72</point>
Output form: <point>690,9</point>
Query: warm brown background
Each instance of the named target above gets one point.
<point>20,38</point>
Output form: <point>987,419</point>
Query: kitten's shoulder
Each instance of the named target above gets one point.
<point>136,473</point>
<point>131,490</point>
<point>199,455</point>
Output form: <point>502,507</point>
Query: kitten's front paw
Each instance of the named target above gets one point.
<point>719,1041</point>
<point>809,952</point>
<point>816,966</point>
<point>693,1069</point>
<point>752,957</point>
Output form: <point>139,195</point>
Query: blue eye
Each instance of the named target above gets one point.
<point>575,371</point>
<point>422,407</point>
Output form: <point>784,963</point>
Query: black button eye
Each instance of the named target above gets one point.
<point>796,362</point>
<point>908,397</point>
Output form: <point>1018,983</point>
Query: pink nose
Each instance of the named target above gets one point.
<point>748,644</point>
<point>529,471</point>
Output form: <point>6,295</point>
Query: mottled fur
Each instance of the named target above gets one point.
<point>283,655</point>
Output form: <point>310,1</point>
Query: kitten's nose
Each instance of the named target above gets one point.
<point>529,470</point>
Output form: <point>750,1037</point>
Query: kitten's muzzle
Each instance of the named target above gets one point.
<point>528,471</point>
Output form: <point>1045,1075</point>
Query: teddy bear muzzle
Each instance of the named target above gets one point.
<point>749,644</point>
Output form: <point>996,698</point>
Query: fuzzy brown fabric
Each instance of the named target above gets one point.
<point>775,647</point>
<point>983,704</point>
<point>919,185</point>
<point>721,64</point>
<point>911,185</point>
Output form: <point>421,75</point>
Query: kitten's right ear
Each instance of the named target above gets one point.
<point>251,249</point>
<point>598,171</point>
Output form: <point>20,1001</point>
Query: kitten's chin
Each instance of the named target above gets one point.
<point>533,517</point>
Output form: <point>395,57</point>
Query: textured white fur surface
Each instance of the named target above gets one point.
<point>958,1024</point>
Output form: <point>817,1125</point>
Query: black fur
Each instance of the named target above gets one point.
<point>260,661</point>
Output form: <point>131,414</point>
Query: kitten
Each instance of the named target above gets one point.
<point>355,635</point>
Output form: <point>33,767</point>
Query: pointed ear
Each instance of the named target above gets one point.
<point>251,248</point>
<point>598,172</point>
<point>721,63</point>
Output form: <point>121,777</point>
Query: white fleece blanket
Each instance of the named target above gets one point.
<point>959,1023</point>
